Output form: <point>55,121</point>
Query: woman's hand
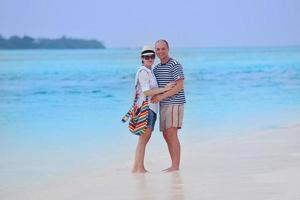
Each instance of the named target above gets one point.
<point>155,99</point>
<point>169,86</point>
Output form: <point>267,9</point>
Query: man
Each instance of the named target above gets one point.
<point>171,102</point>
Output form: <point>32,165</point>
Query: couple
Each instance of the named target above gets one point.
<point>164,87</point>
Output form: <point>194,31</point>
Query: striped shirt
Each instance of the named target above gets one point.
<point>170,72</point>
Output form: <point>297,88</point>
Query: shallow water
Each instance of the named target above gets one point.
<point>57,107</point>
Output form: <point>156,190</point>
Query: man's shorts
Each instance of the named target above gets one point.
<point>171,116</point>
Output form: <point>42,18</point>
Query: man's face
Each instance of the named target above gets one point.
<point>161,50</point>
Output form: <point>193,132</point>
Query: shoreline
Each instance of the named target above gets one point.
<point>262,165</point>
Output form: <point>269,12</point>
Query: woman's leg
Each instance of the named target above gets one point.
<point>138,166</point>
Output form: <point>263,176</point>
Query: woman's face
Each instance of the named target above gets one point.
<point>148,60</point>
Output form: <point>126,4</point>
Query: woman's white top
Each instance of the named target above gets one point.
<point>145,80</point>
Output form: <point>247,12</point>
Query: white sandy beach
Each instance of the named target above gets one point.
<point>258,166</point>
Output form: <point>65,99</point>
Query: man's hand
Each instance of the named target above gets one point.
<point>156,98</point>
<point>175,89</point>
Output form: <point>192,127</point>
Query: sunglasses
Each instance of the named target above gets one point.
<point>148,57</point>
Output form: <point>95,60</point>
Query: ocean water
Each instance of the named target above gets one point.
<point>60,106</point>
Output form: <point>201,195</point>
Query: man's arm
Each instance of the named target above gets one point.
<point>177,88</point>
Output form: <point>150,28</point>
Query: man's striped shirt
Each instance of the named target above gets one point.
<point>170,72</point>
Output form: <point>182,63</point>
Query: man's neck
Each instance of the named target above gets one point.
<point>165,60</point>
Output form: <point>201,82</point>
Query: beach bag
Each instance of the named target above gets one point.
<point>138,117</point>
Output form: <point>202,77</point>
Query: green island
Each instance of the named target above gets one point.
<point>26,42</point>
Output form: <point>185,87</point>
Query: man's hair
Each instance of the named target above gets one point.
<point>165,41</point>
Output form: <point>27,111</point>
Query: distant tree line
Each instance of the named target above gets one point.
<point>26,42</point>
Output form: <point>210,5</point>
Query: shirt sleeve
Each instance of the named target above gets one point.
<point>144,80</point>
<point>177,71</point>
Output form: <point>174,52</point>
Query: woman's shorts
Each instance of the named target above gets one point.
<point>152,116</point>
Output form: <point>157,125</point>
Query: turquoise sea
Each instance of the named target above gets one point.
<point>63,107</point>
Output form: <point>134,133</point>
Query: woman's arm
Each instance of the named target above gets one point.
<point>156,91</point>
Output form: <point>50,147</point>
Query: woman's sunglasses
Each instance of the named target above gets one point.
<point>148,57</point>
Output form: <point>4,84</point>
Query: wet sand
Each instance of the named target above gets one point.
<point>258,166</point>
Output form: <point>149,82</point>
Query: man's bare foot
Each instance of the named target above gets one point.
<point>139,171</point>
<point>171,169</point>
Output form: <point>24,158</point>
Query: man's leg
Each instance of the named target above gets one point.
<point>171,137</point>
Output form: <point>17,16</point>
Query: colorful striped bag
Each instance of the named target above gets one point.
<point>138,117</point>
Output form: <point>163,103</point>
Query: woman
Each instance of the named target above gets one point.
<point>146,85</point>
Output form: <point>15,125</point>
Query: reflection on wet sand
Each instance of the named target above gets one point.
<point>176,186</point>
<point>159,186</point>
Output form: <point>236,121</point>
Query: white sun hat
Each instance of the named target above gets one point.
<point>147,50</point>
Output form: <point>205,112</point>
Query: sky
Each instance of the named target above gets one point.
<point>133,23</point>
